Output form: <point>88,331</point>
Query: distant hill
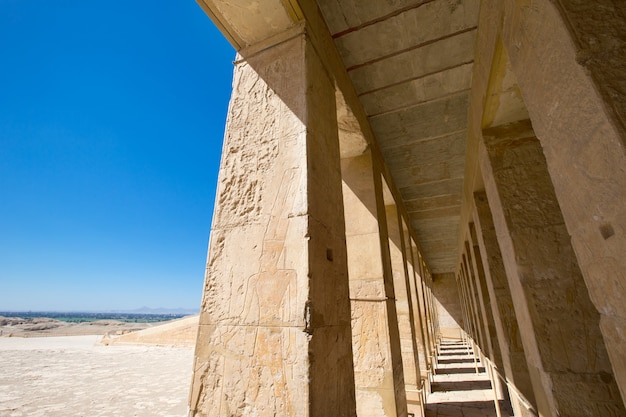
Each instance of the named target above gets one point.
<point>159,310</point>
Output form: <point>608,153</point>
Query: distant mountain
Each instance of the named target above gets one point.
<point>141,310</point>
<point>162,310</point>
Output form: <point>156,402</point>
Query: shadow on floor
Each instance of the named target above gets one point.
<point>462,409</point>
<point>460,386</point>
<point>456,360</point>
<point>451,371</point>
<point>457,390</point>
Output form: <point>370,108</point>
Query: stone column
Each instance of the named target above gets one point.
<point>472,301</point>
<point>404,304</point>
<point>484,302</point>
<point>567,360</point>
<point>507,331</point>
<point>418,314</point>
<point>466,322</point>
<point>467,319</point>
<point>375,335</point>
<point>568,57</point>
<point>424,313</point>
<point>495,355</point>
<point>432,310</point>
<point>274,335</point>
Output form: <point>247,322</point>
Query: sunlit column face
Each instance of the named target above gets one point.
<point>275,324</point>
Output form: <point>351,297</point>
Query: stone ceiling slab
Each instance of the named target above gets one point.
<point>432,119</point>
<point>445,213</point>
<point>343,15</point>
<point>406,30</point>
<point>415,63</point>
<point>426,152</point>
<point>249,22</point>
<point>420,90</point>
<point>432,203</point>
<point>425,173</point>
<point>444,187</point>
<point>411,65</point>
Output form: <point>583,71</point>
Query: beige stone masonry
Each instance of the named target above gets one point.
<point>424,311</point>
<point>434,318</point>
<point>274,336</point>
<point>507,330</point>
<point>448,306</point>
<point>485,301</point>
<point>468,323</point>
<point>558,54</point>
<point>375,334</point>
<point>566,60</point>
<point>568,363</point>
<point>479,305</point>
<point>420,315</point>
<point>404,305</point>
<point>472,298</point>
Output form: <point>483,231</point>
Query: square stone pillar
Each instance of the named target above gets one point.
<point>483,299</point>
<point>560,327</point>
<point>505,322</point>
<point>568,58</point>
<point>404,305</point>
<point>472,302</point>
<point>274,336</point>
<point>433,327</point>
<point>419,315</point>
<point>378,371</point>
<point>423,305</point>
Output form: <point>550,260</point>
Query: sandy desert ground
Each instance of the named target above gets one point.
<point>74,376</point>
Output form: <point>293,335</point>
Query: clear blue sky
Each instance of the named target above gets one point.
<point>111,123</point>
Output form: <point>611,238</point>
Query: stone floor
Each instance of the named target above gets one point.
<point>457,390</point>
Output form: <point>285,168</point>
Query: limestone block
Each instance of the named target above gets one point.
<point>274,334</point>
<point>236,380</point>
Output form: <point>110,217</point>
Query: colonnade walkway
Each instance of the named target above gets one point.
<point>461,386</point>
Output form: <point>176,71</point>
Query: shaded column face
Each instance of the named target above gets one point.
<point>274,336</point>
<point>576,103</point>
<point>505,322</point>
<point>419,313</point>
<point>421,297</point>
<point>378,372</point>
<point>404,306</point>
<point>447,305</point>
<point>470,294</point>
<point>485,299</point>
<point>559,326</point>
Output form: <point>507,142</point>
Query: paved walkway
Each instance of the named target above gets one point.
<point>457,390</point>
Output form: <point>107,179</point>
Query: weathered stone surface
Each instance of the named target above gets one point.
<point>416,91</point>
<point>271,326</point>
<point>558,64</point>
<point>376,336</point>
<point>341,15</point>
<point>514,364</point>
<point>447,304</point>
<point>405,30</point>
<point>415,63</point>
<point>404,305</point>
<point>424,121</point>
<point>567,112</point>
<point>540,263</point>
<point>245,23</point>
<point>419,316</point>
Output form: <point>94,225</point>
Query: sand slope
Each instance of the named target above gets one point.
<point>181,332</point>
<point>72,376</point>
